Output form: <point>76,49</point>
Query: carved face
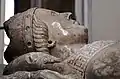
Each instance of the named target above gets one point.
<point>64,32</point>
<point>37,29</point>
<point>62,28</point>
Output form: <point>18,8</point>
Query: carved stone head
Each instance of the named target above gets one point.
<point>40,30</point>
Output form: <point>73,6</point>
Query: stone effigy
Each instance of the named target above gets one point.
<point>49,45</point>
<point>99,60</point>
<point>37,30</point>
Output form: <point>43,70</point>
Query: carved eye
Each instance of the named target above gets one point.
<point>53,13</point>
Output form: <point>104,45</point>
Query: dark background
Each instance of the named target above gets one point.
<point>56,5</point>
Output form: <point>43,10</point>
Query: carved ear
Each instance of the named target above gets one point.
<point>51,44</point>
<point>66,15</point>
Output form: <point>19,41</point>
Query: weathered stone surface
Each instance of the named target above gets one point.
<point>40,74</point>
<point>39,30</point>
<point>105,64</point>
<point>48,45</point>
<point>32,62</point>
<point>99,60</point>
